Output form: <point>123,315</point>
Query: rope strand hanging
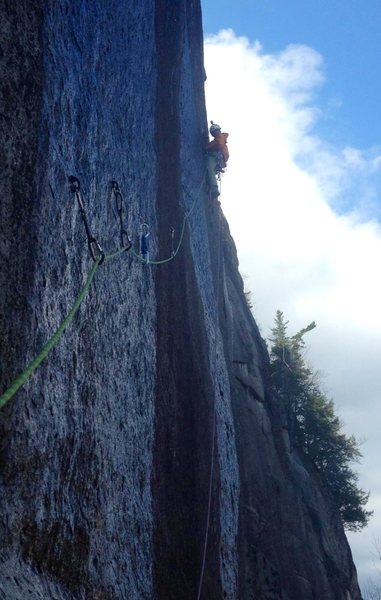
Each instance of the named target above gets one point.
<point>214,418</point>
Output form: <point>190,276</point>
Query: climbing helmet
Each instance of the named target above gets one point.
<point>214,128</point>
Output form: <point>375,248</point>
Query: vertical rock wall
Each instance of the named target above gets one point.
<point>147,454</point>
<point>188,385</point>
<point>76,441</point>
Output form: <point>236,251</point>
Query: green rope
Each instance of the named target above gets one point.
<point>117,253</point>
<point>138,256</point>
<point>165,260</point>
<point>186,217</point>
<point>21,379</point>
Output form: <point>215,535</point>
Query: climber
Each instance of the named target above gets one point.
<point>217,156</point>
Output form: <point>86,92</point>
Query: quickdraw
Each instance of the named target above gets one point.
<point>99,256</point>
<point>95,249</point>
<point>124,239</point>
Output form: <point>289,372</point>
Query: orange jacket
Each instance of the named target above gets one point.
<point>219,144</point>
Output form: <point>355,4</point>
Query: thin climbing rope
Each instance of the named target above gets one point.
<point>117,253</point>
<point>21,379</point>
<point>214,427</point>
<point>186,217</point>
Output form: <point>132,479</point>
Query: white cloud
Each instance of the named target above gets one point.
<point>305,217</point>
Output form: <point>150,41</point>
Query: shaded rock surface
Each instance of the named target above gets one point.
<point>106,452</point>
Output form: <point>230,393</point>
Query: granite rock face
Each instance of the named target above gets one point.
<point>106,453</point>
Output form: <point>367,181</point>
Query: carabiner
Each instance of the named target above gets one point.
<point>125,240</point>
<point>94,247</point>
<point>74,184</point>
<point>96,250</point>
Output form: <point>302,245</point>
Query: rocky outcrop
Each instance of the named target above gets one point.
<point>152,422</point>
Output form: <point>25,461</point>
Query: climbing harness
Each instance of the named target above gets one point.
<point>124,239</point>
<point>144,235</point>
<point>217,162</point>
<point>220,164</point>
<point>94,247</point>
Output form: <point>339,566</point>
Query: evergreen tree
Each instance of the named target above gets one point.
<point>314,428</point>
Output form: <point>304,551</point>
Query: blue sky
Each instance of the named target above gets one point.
<point>296,85</point>
<point>346,32</point>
